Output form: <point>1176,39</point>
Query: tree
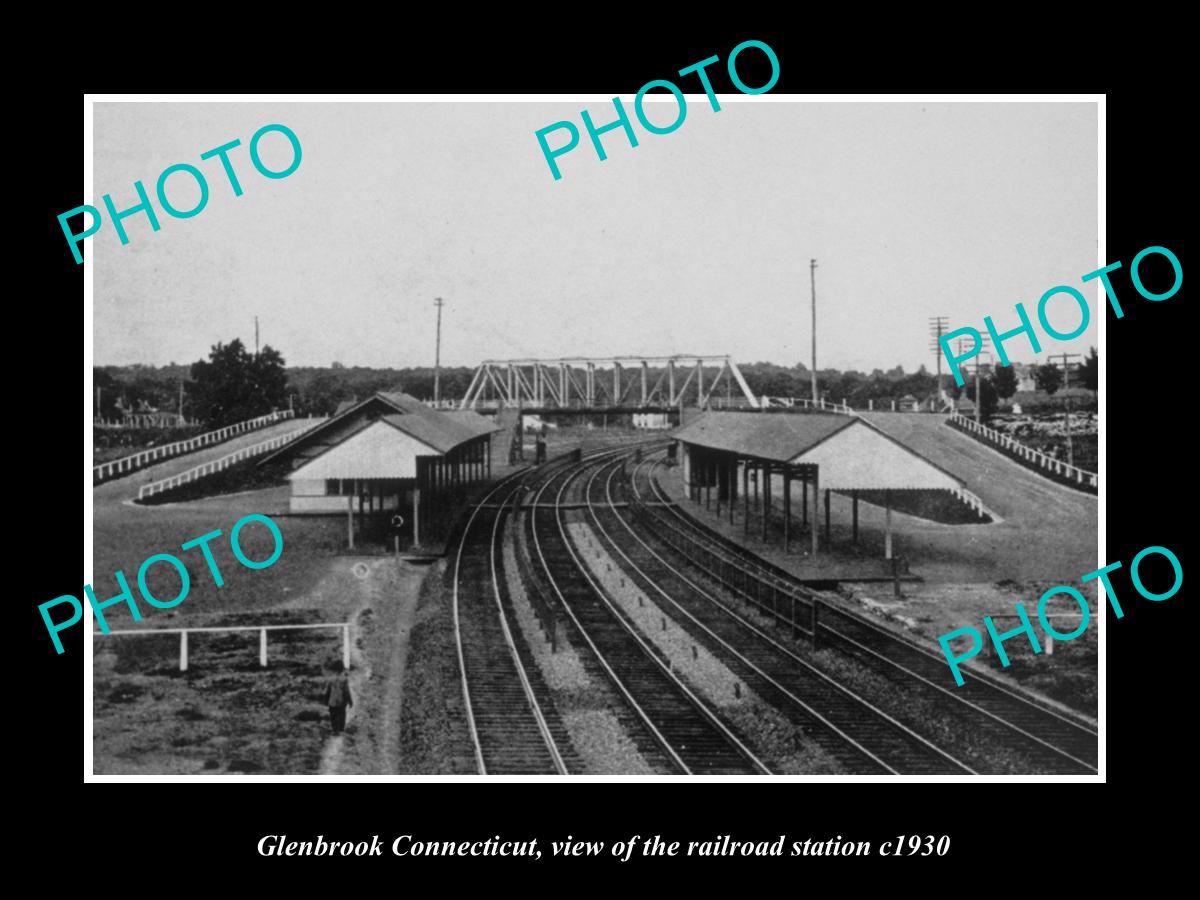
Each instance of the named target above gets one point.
<point>323,394</point>
<point>1090,370</point>
<point>1047,377</point>
<point>1004,380</point>
<point>233,385</point>
<point>988,397</point>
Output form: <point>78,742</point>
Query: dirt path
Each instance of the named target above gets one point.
<point>384,592</point>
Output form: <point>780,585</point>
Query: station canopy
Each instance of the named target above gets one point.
<point>851,453</point>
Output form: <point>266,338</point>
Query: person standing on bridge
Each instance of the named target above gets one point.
<point>337,697</point>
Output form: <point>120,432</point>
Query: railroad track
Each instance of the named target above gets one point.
<point>691,737</point>
<point>860,736</point>
<point>1053,741</point>
<point>513,727</point>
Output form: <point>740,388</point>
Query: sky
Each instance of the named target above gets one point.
<point>697,241</point>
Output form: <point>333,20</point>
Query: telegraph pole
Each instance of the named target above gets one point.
<point>1066,357</point>
<point>181,401</point>
<point>937,327</point>
<point>812,268</point>
<point>437,355</point>
<point>983,348</point>
<point>256,337</point>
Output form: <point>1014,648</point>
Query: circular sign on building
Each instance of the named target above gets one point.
<point>397,522</point>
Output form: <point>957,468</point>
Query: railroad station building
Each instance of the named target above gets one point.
<point>388,454</point>
<point>771,454</point>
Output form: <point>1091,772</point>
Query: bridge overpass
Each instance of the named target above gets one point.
<point>614,383</point>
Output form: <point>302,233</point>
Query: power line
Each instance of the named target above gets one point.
<point>937,327</point>
<point>437,355</point>
<point>1066,357</point>
<point>812,268</point>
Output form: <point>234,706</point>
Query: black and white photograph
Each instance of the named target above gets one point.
<point>522,438</point>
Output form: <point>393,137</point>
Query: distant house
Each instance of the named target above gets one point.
<point>909,403</point>
<point>1024,373</point>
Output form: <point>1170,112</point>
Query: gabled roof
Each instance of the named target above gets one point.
<point>778,437</point>
<point>441,431</point>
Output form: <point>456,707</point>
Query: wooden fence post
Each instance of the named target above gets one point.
<point>183,662</point>
<point>346,647</point>
<point>262,648</point>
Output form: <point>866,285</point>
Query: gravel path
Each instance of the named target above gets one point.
<point>783,745</point>
<point>596,734</point>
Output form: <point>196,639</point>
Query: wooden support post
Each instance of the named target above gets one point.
<point>804,502</point>
<point>854,495</point>
<point>787,510</point>
<point>766,509</point>
<point>416,517</point>
<point>350,520</point>
<point>716,473</point>
<point>816,492</point>
<point>814,623</point>
<point>183,650</point>
<point>731,480</point>
<point>707,482</point>
<point>346,647</point>
<point>262,648</point>
<point>746,496</point>
<point>896,578</point>
<point>826,515</point>
<point>887,525</point>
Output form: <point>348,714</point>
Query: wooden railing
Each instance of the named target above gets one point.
<point>217,465</point>
<point>1027,456</point>
<point>126,465</point>
<point>805,403</point>
<point>262,640</point>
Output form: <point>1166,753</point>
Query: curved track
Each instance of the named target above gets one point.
<point>692,736</point>
<point>1055,742</point>
<point>511,733</point>
<point>863,738</point>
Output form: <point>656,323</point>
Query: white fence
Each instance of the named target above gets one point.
<point>262,640</point>
<point>197,472</point>
<point>804,403</point>
<point>127,464</point>
<point>1073,473</point>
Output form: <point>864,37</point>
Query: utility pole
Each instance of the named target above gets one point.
<point>812,268</point>
<point>1066,357</point>
<point>181,401</point>
<point>256,337</point>
<point>937,327</point>
<point>983,348</point>
<point>437,355</point>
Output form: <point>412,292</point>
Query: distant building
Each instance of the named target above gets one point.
<point>387,453</point>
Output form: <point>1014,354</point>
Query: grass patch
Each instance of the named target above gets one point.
<point>434,736</point>
<point>225,714</point>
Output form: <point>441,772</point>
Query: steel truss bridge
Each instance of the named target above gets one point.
<point>616,382</point>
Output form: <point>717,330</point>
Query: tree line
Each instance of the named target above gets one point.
<point>234,384</point>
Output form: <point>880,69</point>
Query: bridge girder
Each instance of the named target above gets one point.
<point>579,382</point>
